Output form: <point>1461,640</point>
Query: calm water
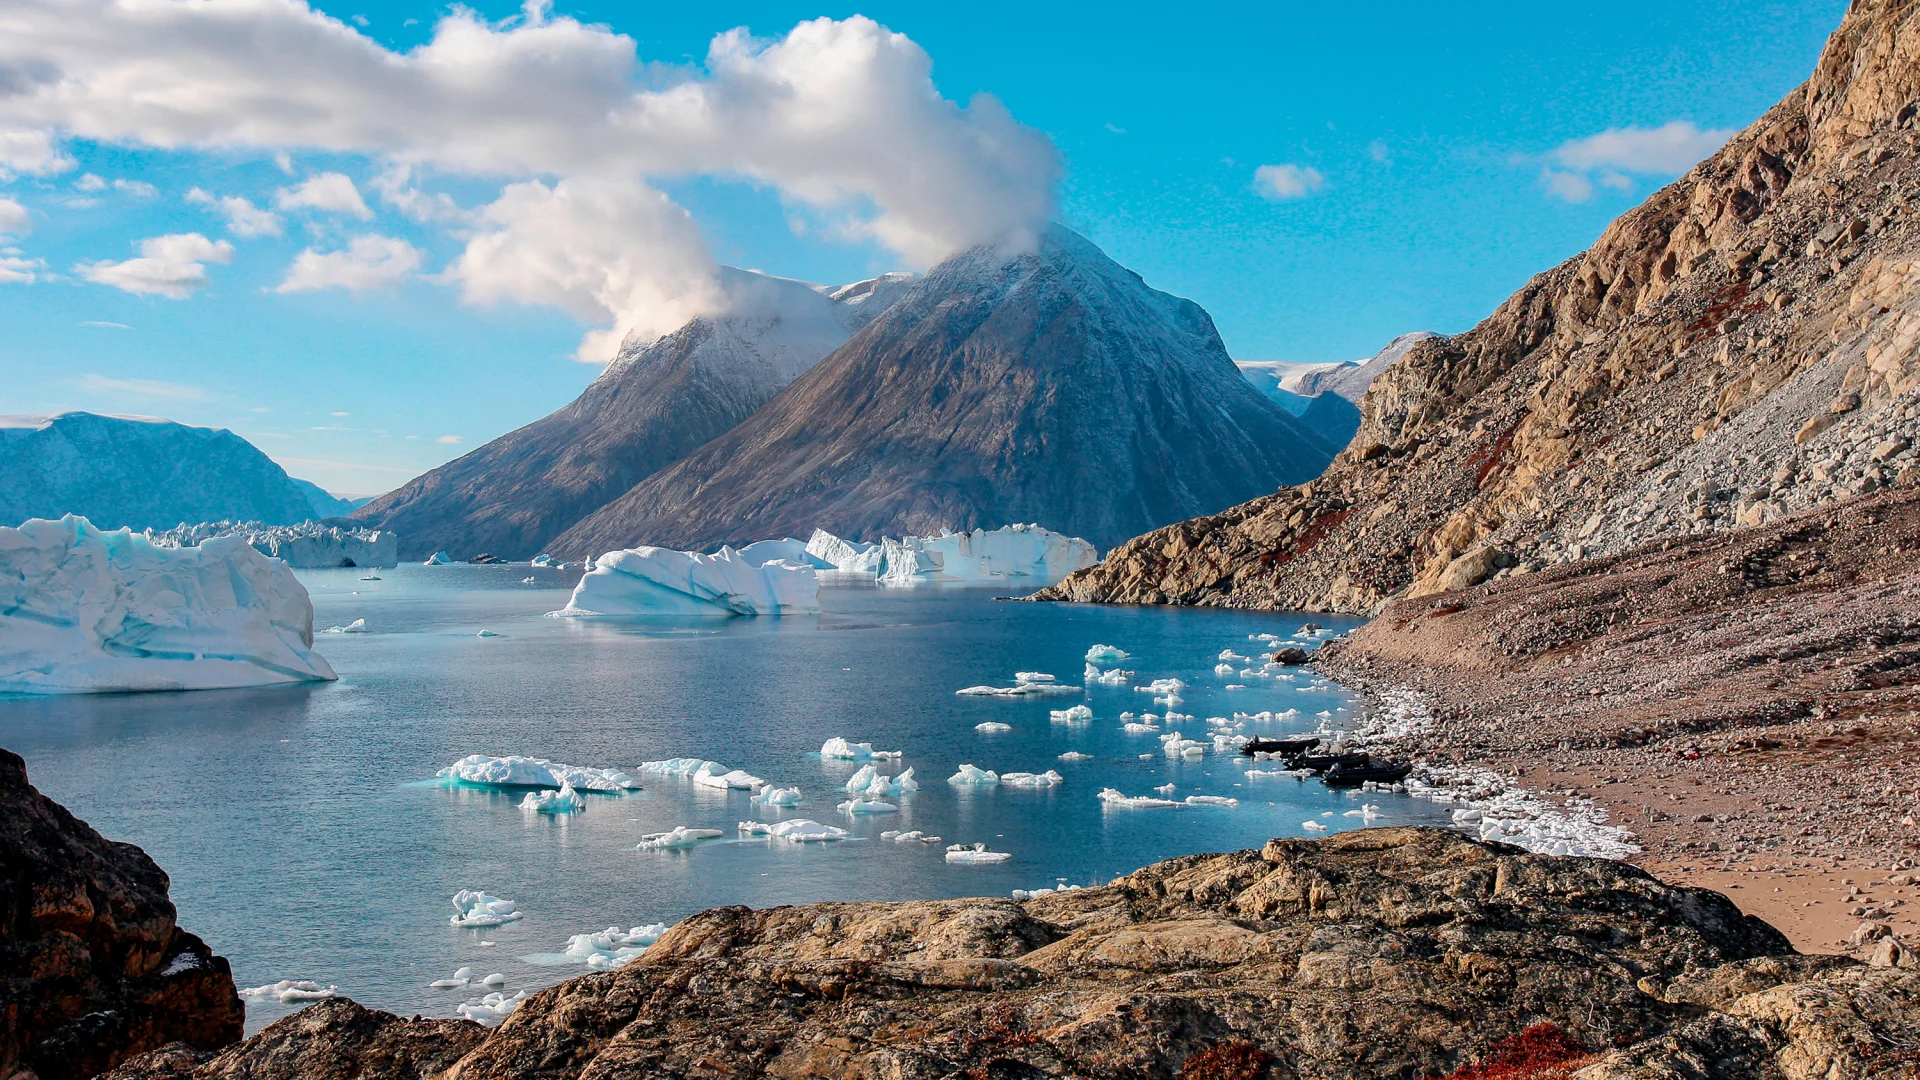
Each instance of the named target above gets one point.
<point>302,846</point>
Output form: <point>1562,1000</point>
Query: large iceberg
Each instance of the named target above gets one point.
<point>981,556</point>
<point>844,555</point>
<point>526,772</point>
<point>762,552</point>
<point>308,546</point>
<point>659,581</point>
<point>86,611</point>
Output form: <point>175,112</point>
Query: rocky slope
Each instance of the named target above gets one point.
<point>92,967</point>
<point>1053,387</point>
<point>1386,952</point>
<point>139,472</point>
<point>1741,346</point>
<point>656,402</point>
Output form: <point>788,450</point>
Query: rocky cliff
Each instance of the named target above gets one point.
<point>1743,345</point>
<point>1378,953</point>
<point>140,472</point>
<point>92,967</point>
<point>1053,387</point>
<point>655,403</point>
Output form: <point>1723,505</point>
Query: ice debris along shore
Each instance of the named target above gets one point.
<point>479,770</point>
<point>86,611</point>
<point>1026,553</point>
<point>1025,684</point>
<point>1112,797</point>
<point>680,836</point>
<point>659,581</point>
<point>612,947</point>
<point>290,991</point>
<point>307,546</point>
<point>474,909</point>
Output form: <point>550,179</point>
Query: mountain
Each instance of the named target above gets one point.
<point>655,403</point>
<point>1740,347</point>
<point>1052,387</point>
<point>1351,379</point>
<point>326,504</point>
<point>141,472</point>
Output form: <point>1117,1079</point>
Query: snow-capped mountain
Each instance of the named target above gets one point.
<point>1349,379</point>
<point>142,472</point>
<point>1052,387</point>
<point>655,402</point>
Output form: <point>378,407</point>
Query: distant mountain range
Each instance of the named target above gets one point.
<point>143,472</point>
<point>1326,397</point>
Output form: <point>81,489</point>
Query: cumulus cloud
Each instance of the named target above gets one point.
<point>14,219</point>
<point>1287,181</point>
<point>605,251</point>
<point>28,152</point>
<point>333,192</point>
<point>17,269</point>
<point>369,262</point>
<point>840,116</point>
<point>172,266</point>
<point>243,218</point>
<point>1613,157</point>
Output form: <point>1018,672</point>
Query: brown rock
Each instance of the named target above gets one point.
<point>329,1040</point>
<point>92,967</point>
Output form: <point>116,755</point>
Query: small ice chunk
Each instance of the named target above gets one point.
<point>1212,800</point>
<point>679,837</point>
<point>447,984</point>
<point>495,979</point>
<point>993,725</point>
<point>1165,789</point>
<point>725,779</point>
<point>778,796</point>
<point>1033,677</point>
<point>970,854</point>
<point>1162,687</point>
<point>438,558</point>
<point>867,806</point>
<point>1107,654</point>
<point>357,626</point>
<point>483,771</point>
<point>612,947</point>
<point>472,907</point>
<point>973,777</point>
<point>1075,755</point>
<point>494,1006</point>
<point>1050,778</point>
<point>1109,677</point>
<point>1313,826</point>
<point>798,830</point>
<point>288,991</point>
<point>1112,797</point>
<point>839,749</point>
<point>563,801</point>
<point>1073,714</point>
<point>486,633</point>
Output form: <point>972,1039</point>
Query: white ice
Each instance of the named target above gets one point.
<point>660,581</point>
<point>869,782</point>
<point>1313,826</point>
<point>839,749</point>
<point>1073,714</point>
<point>677,837</point>
<point>969,776</point>
<point>798,830</point>
<point>975,853</point>
<point>515,771</point>
<point>1107,654</point>
<point>85,611</point>
<point>1049,778</point>
<point>762,552</point>
<point>357,626</point>
<point>474,908</point>
<point>992,725</point>
<point>438,558</point>
<point>492,1007</point>
<point>612,947</point>
<point>778,796</point>
<point>1109,677</point>
<point>563,801</point>
<point>1025,684</point>
<point>844,555</point>
<point>543,560</point>
<point>1075,755</point>
<point>719,776</point>
<point>288,991</point>
<point>1112,797</point>
<point>867,806</point>
<point>912,836</point>
<point>984,555</point>
<point>1162,687</point>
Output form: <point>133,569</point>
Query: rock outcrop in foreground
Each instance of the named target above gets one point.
<point>92,967</point>
<point>1379,953</point>
<point>1743,345</point>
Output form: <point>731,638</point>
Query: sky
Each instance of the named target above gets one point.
<point>369,236</point>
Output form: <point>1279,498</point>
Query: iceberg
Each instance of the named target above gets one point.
<point>85,611</point>
<point>542,560</point>
<point>473,908</point>
<point>762,552</point>
<point>973,854</point>
<point>798,830</point>
<point>985,556</point>
<point>612,947</point>
<point>306,546</point>
<point>778,796</point>
<point>288,991</point>
<point>868,781</point>
<point>1075,755</point>
<point>839,749</point>
<point>1025,684</point>
<point>719,776</point>
<point>357,626</point>
<point>563,801</point>
<point>438,558</point>
<point>1107,654</point>
<point>525,772</point>
<point>1049,778</point>
<point>659,581</point>
<point>993,726</point>
<point>678,837</point>
<point>867,806</point>
<point>969,776</point>
<point>1073,714</point>
<point>1109,677</point>
<point>1112,797</point>
<point>844,555</point>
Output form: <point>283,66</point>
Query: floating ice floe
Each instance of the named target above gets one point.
<point>1297,774</point>
<point>844,555</point>
<point>1075,755</point>
<point>84,611</point>
<point>461,978</point>
<point>494,1006</point>
<point>992,725</point>
<point>710,775</point>
<point>981,556</point>
<point>1073,714</point>
<point>1234,657</point>
<point>1136,728</point>
<point>867,806</point>
<point>1313,826</point>
<point>1165,789</point>
<point>659,581</point>
<point>869,782</point>
<point>1107,654</point>
<point>1112,797</point>
<point>838,749</point>
<point>1175,744</point>
<point>969,776</point>
<point>357,626</point>
<point>778,796</point>
<point>612,947</point>
<point>288,991</point>
<point>1109,677</point>
<point>798,830</point>
<point>438,558</point>
<point>1049,778</point>
<point>542,560</point>
<point>970,854</point>
<point>525,772</point>
<point>1025,684</point>
<point>678,837</point>
<point>486,633</point>
<point>1367,813</point>
<point>546,801</point>
<point>474,908</point>
<point>1035,894</point>
<point>528,580</point>
<point>1162,686</point>
<point>790,551</point>
<point>912,836</point>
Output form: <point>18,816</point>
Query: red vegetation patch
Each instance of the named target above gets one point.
<point>1308,537</point>
<point>1228,1061</point>
<point>1485,461</point>
<point>1542,1052</point>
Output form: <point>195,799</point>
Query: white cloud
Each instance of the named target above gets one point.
<point>333,192</point>
<point>104,325</point>
<point>1287,181</point>
<point>604,251</point>
<point>19,270</point>
<point>172,266</point>
<point>1613,157</point>
<point>137,188</point>
<point>243,218</point>
<point>145,388</point>
<point>28,152</point>
<point>14,219</point>
<point>397,189</point>
<point>450,440</point>
<point>840,116</point>
<point>369,262</point>
<point>90,182</point>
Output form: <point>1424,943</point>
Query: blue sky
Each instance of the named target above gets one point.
<point>1422,161</point>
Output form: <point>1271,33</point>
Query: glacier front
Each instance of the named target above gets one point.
<point>658,581</point>
<point>979,556</point>
<point>87,611</point>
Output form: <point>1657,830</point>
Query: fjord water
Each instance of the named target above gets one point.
<point>302,845</point>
